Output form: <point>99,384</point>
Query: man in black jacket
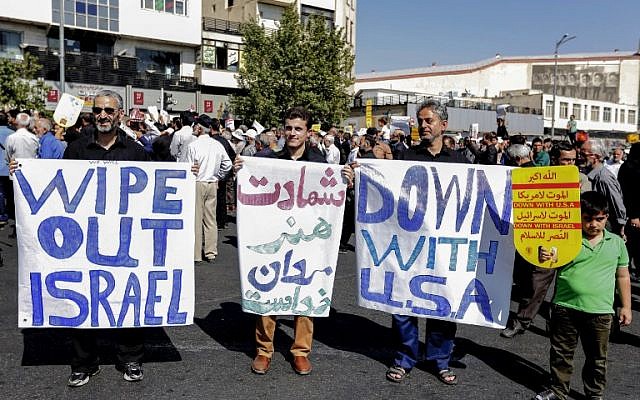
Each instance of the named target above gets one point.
<point>432,122</point>
<point>107,143</point>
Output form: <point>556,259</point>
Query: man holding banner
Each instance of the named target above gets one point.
<point>109,143</point>
<point>432,122</point>
<point>72,274</point>
<point>297,123</point>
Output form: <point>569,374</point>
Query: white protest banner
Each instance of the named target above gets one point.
<point>435,240</point>
<point>103,244</point>
<point>289,226</point>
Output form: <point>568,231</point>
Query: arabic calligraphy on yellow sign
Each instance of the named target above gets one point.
<point>546,214</point>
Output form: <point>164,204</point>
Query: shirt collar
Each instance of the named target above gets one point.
<point>120,138</point>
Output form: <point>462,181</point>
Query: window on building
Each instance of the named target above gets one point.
<point>216,54</point>
<point>564,110</point>
<point>548,108</point>
<point>307,11</point>
<point>622,115</point>
<point>154,61</point>
<point>10,44</point>
<point>606,114</point>
<point>577,108</point>
<point>229,3</point>
<point>178,7</point>
<point>615,113</point>
<point>595,113</point>
<point>631,117</point>
<point>351,32</point>
<point>346,28</point>
<point>92,14</point>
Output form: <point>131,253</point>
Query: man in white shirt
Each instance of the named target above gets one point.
<point>22,143</point>
<point>214,164</point>
<point>182,137</point>
<point>332,153</point>
<point>613,164</point>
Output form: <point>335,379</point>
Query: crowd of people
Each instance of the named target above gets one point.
<point>610,217</point>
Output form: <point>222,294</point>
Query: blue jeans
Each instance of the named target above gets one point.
<point>3,198</point>
<point>439,340</point>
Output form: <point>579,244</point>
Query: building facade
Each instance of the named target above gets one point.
<point>221,53</point>
<point>135,47</point>
<point>601,90</point>
<point>183,54</point>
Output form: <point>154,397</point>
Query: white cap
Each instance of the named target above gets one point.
<point>322,133</point>
<point>238,134</point>
<point>251,133</point>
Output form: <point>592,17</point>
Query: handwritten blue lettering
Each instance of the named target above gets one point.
<point>395,247</point>
<point>443,308</point>
<point>57,183</point>
<point>383,298</point>
<point>160,228</point>
<point>481,298</point>
<point>37,314</point>
<point>174,316</point>
<point>160,191</point>
<point>71,237</point>
<point>77,298</point>
<point>443,200</point>
<point>122,258</point>
<point>417,177</point>
<point>386,208</point>
<point>126,188</point>
<point>99,298</point>
<point>132,294</point>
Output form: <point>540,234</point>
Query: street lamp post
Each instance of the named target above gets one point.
<point>61,49</point>
<point>565,38</point>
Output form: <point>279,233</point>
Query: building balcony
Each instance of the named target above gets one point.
<point>106,70</point>
<point>221,26</point>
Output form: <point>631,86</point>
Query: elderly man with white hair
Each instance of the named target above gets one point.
<point>332,152</point>
<point>22,143</point>
<point>605,182</point>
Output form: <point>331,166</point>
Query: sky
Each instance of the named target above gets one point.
<point>400,34</point>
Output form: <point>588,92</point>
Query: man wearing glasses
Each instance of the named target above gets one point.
<point>108,143</point>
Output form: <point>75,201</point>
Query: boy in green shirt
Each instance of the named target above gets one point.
<point>583,303</point>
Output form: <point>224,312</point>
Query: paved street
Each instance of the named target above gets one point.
<point>352,347</point>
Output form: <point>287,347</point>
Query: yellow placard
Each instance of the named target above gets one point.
<point>415,134</point>
<point>546,214</point>
<point>369,113</point>
<point>315,127</point>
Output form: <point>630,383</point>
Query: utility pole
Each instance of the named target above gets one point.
<point>565,38</point>
<point>61,47</point>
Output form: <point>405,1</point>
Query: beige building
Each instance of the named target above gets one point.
<point>221,53</point>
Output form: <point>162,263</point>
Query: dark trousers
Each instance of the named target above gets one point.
<point>129,344</point>
<point>348,222</point>
<point>540,280</point>
<point>439,340</point>
<point>221,206</point>
<point>633,247</point>
<point>7,188</point>
<point>567,325</point>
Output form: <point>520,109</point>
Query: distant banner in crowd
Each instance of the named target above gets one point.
<point>435,240</point>
<point>289,225</point>
<point>101,244</point>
